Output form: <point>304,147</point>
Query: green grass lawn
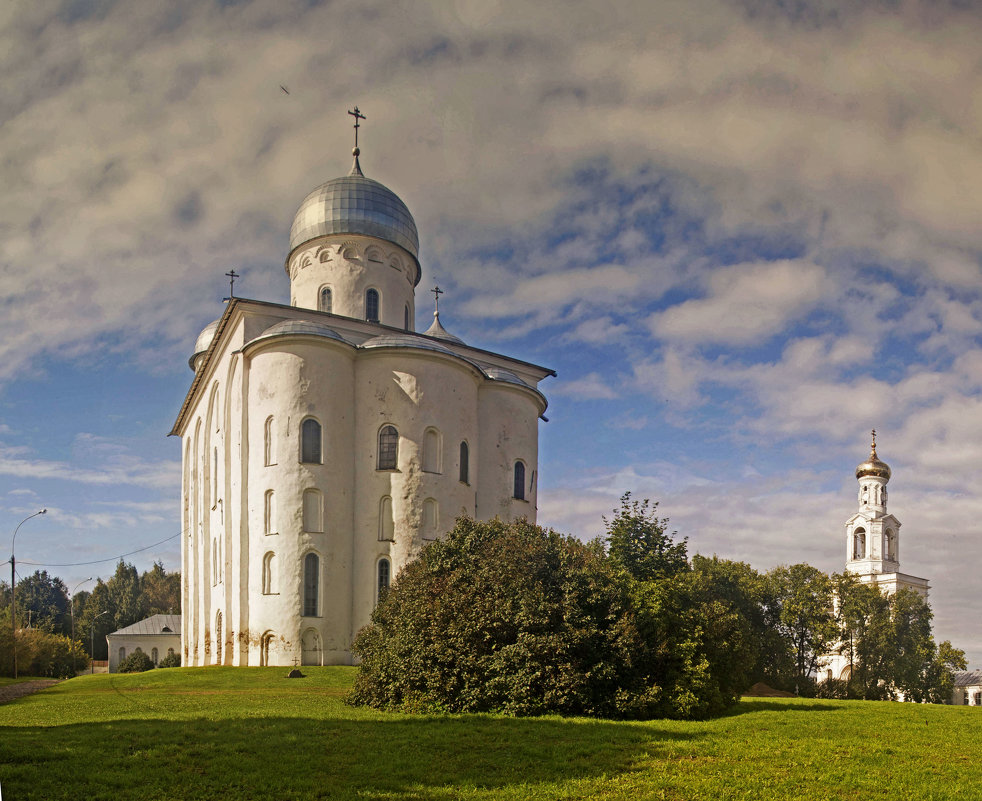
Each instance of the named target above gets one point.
<point>252,733</point>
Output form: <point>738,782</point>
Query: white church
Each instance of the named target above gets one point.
<point>873,545</point>
<point>325,442</point>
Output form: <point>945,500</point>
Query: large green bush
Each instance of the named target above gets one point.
<point>503,617</point>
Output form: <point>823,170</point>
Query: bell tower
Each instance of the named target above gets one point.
<point>872,534</point>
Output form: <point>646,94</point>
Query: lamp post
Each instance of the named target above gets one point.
<point>13,589</point>
<point>74,668</point>
<point>92,639</point>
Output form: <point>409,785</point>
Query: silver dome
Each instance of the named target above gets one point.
<point>405,341</point>
<point>203,342</point>
<point>299,328</point>
<point>355,204</point>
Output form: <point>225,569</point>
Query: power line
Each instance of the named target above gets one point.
<point>97,561</point>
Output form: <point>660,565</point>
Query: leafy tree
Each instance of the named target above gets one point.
<point>939,677</point>
<point>169,661</point>
<point>136,662</point>
<point>866,631</point>
<point>43,600</point>
<point>912,645</point>
<point>502,617</point>
<point>638,544</point>
<point>160,591</point>
<point>802,597</point>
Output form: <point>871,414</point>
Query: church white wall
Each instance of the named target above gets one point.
<point>351,392</point>
<point>290,381</point>
<point>508,432</point>
<point>351,265</point>
<point>412,390</point>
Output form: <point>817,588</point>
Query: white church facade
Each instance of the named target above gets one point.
<point>873,545</point>
<point>325,442</point>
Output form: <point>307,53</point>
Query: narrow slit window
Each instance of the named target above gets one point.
<point>382,586</point>
<point>372,306</point>
<point>519,490</point>
<point>311,580</point>
<point>464,463</point>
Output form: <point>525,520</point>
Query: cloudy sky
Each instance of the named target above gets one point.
<point>743,233</point>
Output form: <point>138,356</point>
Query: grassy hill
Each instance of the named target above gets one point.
<point>252,733</point>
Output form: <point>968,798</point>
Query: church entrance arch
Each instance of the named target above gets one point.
<point>311,651</point>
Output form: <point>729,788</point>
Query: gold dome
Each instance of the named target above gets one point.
<point>873,466</point>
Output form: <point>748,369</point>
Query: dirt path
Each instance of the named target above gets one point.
<point>12,692</point>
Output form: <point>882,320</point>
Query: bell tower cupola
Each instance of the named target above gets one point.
<point>873,535</point>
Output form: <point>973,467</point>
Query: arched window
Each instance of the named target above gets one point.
<point>324,302</point>
<point>432,451</point>
<point>382,585</point>
<point>431,518</point>
<point>264,642</point>
<point>891,545</point>
<point>170,652</point>
<point>386,525</point>
<point>269,513</point>
<point>465,463</point>
<point>388,448</point>
<point>310,441</point>
<point>405,318</point>
<point>269,449</point>
<point>859,544</point>
<point>313,511</point>
<point>311,581</point>
<point>372,306</point>
<point>122,653</point>
<point>519,491</point>
<point>269,573</point>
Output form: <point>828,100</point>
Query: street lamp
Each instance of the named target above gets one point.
<point>13,589</point>
<point>74,668</point>
<point>92,638</point>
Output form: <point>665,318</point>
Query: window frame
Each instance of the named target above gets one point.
<point>391,451</point>
<point>464,465</point>
<point>518,484</point>
<point>371,293</point>
<point>304,442</point>
<point>311,581</point>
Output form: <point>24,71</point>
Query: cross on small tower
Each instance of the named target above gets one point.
<point>436,295</point>
<point>232,275</point>
<point>358,116</point>
<point>873,432</point>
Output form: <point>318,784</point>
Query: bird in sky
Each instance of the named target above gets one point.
<point>284,89</point>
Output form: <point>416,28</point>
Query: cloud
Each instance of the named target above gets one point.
<point>745,303</point>
<point>590,387</point>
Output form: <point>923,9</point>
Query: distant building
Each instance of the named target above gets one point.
<point>326,442</point>
<point>157,636</point>
<point>968,688</point>
<point>873,545</point>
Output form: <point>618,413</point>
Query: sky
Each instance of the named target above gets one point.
<point>743,232</point>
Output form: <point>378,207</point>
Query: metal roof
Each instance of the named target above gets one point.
<point>354,204</point>
<point>155,624</point>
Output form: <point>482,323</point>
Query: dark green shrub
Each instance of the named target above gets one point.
<point>136,662</point>
<point>173,659</point>
<point>504,617</point>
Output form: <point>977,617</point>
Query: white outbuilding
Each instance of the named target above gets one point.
<point>157,636</point>
<point>325,442</point>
